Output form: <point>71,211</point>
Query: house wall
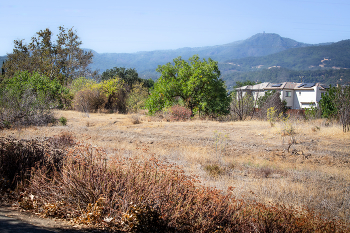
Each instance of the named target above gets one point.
<point>319,95</point>
<point>289,99</point>
<point>296,103</point>
<point>304,97</point>
<point>299,99</point>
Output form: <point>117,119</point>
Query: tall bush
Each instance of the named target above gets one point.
<point>137,98</point>
<point>28,98</point>
<point>90,96</point>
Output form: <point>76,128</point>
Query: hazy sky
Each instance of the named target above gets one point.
<point>141,25</point>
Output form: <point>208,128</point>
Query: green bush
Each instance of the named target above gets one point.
<point>28,98</point>
<point>63,120</point>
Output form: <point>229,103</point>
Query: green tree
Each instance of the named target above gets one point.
<point>63,60</point>
<point>27,98</point>
<point>336,104</point>
<point>130,77</point>
<point>328,105</point>
<point>245,83</point>
<point>196,82</point>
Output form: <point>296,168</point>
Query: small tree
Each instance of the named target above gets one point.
<point>196,82</point>
<point>137,98</point>
<point>130,77</point>
<point>342,103</point>
<point>336,104</point>
<point>272,99</point>
<point>328,104</point>
<point>242,104</point>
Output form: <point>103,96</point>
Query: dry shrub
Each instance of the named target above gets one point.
<point>139,193</point>
<point>214,170</point>
<point>89,100</point>
<point>135,119</point>
<point>272,101</point>
<point>179,113</point>
<point>18,157</point>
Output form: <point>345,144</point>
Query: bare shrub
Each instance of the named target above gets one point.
<point>179,113</point>
<point>214,170</point>
<point>274,101</point>
<point>135,119</point>
<point>28,109</point>
<point>89,100</point>
<point>18,157</point>
<point>146,195</point>
<point>242,105</point>
<point>265,172</point>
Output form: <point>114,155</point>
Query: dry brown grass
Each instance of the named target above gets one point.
<point>251,156</point>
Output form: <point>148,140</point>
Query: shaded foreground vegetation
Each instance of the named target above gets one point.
<point>133,191</point>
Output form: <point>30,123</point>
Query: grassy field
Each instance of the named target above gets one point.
<point>308,168</point>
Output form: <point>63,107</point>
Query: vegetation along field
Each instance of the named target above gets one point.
<point>116,152</point>
<point>248,160</point>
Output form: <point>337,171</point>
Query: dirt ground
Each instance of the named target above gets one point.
<point>13,219</point>
<point>299,163</point>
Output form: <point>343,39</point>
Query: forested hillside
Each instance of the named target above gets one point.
<point>328,76</point>
<point>261,44</point>
<point>336,55</point>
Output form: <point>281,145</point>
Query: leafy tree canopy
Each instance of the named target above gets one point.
<point>336,104</point>
<point>244,83</point>
<point>130,76</point>
<point>196,82</point>
<point>39,85</point>
<point>327,103</point>
<point>63,59</point>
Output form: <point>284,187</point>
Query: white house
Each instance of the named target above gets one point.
<point>297,95</point>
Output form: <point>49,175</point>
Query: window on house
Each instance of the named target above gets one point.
<point>288,94</point>
<point>299,92</point>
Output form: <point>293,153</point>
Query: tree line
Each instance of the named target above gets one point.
<point>46,74</point>
<point>50,73</point>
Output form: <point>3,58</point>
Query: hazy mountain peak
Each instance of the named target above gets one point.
<point>273,40</point>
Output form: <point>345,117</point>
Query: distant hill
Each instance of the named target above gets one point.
<point>275,75</point>
<point>261,44</point>
<point>2,58</point>
<point>336,55</point>
<point>262,57</point>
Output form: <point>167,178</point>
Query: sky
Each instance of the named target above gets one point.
<point>128,26</point>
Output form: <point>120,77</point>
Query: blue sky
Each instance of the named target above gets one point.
<point>138,25</point>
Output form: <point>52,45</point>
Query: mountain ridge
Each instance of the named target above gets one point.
<point>261,44</point>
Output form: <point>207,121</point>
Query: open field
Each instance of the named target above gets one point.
<point>310,168</point>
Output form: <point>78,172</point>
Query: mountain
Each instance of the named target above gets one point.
<point>336,55</point>
<point>280,74</point>
<point>261,44</point>
<point>262,57</point>
<point>329,64</point>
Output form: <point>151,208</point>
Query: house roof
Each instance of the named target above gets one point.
<point>283,85</point>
